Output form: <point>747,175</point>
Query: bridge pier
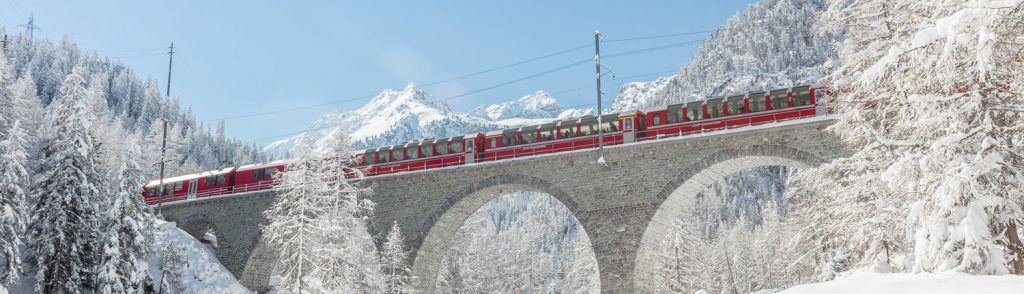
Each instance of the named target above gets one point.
<point>625,208</point>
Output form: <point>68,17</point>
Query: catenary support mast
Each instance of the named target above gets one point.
<point>600,124</point>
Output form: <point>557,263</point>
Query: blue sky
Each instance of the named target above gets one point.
<point>242,57</point>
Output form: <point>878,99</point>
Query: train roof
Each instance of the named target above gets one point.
<point>193,176</point>
<point>263,165</point>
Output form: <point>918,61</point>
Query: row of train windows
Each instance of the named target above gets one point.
<point>398,154</point>
<point>168,189</point>
<point>263,174</point>
<point>695,110</point>
<point>513,137</point>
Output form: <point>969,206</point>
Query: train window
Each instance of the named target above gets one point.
<point>177,186</point>
<point>167,190</point>
<point>211,181</point>
<point>779,99</point>
<point>529,135</point>
<point>694,110</point>
<point>442,147</point>
<point>412,152</point>
<point>456,146</point>
<point>547,134</point>
<point>384,156</point>
<point>716,108</point>
<point>736,105</point>
<point>656,120</point>
<point>398,154</point>
<point>610,126</point>
<point>509,138</point>
<point>802,96</point>
<point>627,123</point>
<point>370,158</point>
<point>469,145</point>
<point>589,128</point>
<point>151,190</point>
<point>756,101</point>
<point>675,113</point>
<point>568,131</point>
<point>427,150</point>
<point>494,142</point>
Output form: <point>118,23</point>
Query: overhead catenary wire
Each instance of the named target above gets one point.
<point>498,85</point>
<point>292,134</point>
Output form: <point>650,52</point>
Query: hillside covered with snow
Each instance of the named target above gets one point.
<point>772,44</point>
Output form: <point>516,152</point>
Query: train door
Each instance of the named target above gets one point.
<point>628,135</point>
<point>470,151</point>
<point>192,184</point>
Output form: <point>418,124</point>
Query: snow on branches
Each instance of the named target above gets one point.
<point>925,94</point>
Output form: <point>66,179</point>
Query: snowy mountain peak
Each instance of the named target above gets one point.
<point>411,96</point>
<point>537,105</point>
<point>394,116</point>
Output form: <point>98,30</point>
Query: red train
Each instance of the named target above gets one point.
<point>558,136</point>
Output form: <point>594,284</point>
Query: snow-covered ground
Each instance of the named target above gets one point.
<point>927,283</point>
<point>199,271</point>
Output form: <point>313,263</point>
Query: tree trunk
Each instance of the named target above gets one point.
<point>1015,247</point>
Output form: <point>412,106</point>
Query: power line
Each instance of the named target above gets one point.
<point>563,67</point>
<point>507,65</point>
<point>292,134</point>
<point>656,37</point>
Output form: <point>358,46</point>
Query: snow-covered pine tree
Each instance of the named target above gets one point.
<point>393,256</point>
<point>14,181</point>
<point>582,275</point>
<point>301,199</point>
<point>318,224</point>
<point>14,178</point>
<point>127,236</point>
<point>63,220</point>
<point>923,97</point>
<point>353,261</point>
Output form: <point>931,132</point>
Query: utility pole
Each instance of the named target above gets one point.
<point>163,152</point>
<point>170,62</point>
<point>31,27</point>
<point>600,125</point>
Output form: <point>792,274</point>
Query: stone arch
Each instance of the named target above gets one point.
<point>445,221</point>
<point>678,194</point>
<point>258,267</point>
<point>197,225</point>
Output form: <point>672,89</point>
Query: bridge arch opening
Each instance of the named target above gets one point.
<point>202,228</point>
<point>680,198</point>
<point>491,218</point>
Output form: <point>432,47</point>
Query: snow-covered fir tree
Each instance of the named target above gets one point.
<point>928,94</point>
<point>126,239</point>
<point>393,256</point>
<point>318,225</point>
<point>733,239</point>
<point>64,218</point>
<point>14,177</point>
<point>519,242</point>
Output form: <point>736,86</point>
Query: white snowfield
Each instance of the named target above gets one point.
<point>902,283</point>
<point>202,272</point>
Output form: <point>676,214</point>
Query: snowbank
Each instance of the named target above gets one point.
<point>932,283</point>
<point>199,271</point>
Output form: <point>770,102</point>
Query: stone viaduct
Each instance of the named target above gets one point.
<point>625,208</point>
